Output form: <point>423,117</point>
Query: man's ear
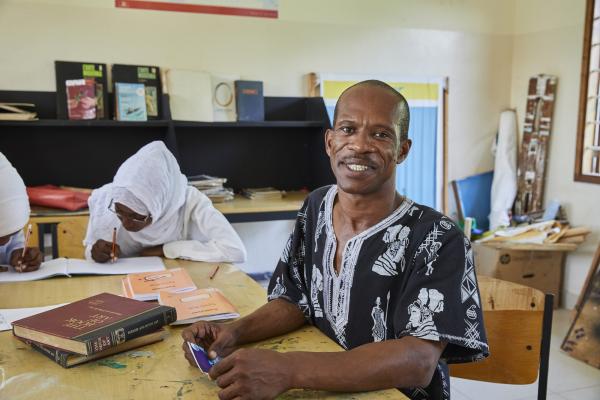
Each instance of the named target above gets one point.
<point>403,150</point>
<point>328,138</point>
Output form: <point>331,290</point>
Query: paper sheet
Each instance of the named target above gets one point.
<point>8,315</point>
<point>73,266</point>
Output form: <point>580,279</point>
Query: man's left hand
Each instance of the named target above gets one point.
<point>252,374</point>
<point>156,251</point>
<point>30,262</point>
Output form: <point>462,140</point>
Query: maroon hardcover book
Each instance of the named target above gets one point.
<point>94,324</point>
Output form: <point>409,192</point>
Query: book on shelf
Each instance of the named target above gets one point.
<point>190,95</point>
<point>264,193</point>
<point>223,98</point>
<point>207,304</point>
<point>250,102</point>
<point>73,266</point>
<point>67,359</point>
<point>130,102</point>
<point>68,70</point>
<point>94,324</point>
<point>17,112</point>
<point>81,98</point>
<point>212,187</point>
<point>145,286</point>
<point>150,76</point>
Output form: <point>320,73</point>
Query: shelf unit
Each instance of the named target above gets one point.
<point>285,151</point>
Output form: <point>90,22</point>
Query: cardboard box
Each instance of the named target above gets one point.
<point>541,270</point>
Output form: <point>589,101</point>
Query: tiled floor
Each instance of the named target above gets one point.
<point>569,379</point>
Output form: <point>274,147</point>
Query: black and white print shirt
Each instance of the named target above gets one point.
<point>410,274</point>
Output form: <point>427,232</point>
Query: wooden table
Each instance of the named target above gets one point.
<point>159,371</point>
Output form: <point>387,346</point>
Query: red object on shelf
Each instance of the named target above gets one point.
<point>55,197</point>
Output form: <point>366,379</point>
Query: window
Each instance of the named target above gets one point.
<point>587,158</point>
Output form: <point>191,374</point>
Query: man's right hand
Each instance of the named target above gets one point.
<point>102,251</point>
<point>217,339</point>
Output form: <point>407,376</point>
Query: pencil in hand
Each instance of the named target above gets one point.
<point>20,262</point>
<point>214,272</point>
<point>113,257</point>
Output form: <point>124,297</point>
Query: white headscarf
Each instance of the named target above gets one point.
<point>14,203</point>
<point>150,183</point>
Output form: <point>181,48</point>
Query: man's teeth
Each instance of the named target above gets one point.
<point>357,167</point>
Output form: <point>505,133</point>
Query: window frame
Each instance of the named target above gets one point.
<point>583,96</point>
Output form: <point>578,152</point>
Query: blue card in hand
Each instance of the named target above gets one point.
<point>201,358</point>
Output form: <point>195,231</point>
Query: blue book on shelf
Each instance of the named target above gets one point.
<point>249,101</point>
<point>130,99</point>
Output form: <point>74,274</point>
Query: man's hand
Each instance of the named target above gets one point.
<point>252,374</point>
<point>156,251</point>
<point>102,251</point>
<point>30,262</point>
<point>217,339</point>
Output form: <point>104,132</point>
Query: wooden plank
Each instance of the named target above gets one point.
<point>531,246</point>
<point>582,230</point>
<point>161,374</point>
<point>592,271</point>
<point>536,135</point>
<point>583,338</point>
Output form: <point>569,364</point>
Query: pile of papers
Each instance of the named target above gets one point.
<point>546,232</point>
<point>265,193</point>
<point>212,187</point>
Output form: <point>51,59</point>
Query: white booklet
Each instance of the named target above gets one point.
<point>74,266</point>
<point>9,315</point>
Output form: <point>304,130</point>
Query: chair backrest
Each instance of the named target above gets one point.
<point>518,321</point>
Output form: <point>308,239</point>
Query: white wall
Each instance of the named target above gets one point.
<point>548,39</point>
<point>375,37</point>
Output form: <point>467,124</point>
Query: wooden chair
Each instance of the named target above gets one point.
<point>518,322</point>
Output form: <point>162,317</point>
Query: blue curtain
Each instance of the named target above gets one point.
<point>416,176</point>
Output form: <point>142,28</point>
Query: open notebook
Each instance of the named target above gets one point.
<point>74,266</point>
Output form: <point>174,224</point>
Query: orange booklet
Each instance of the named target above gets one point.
<point>146,285</point>
<point>199,305</point>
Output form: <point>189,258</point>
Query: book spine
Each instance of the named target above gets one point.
<point>58,356</point>
<point>140,325</point>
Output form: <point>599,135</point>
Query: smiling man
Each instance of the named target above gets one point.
<point>391,281</point>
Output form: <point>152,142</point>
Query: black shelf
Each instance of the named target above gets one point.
<point>286,150</point>
<point>84,123</point>
<point>250,124</point>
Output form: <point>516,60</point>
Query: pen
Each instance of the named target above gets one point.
<point>24,247</point>
<point>114,242</point>
<point>214,272</point>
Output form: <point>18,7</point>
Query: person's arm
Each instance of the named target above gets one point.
<point>256,373</point>
<point>210,238</point>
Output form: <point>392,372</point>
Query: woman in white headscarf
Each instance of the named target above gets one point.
<point>155,212</point>
<point>14,214</point>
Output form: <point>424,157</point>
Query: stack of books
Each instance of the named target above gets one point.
<point>265,193</point>
<point>175,288</point>
<point>145,286</point>
<point>199,305</point>
<point>93,328</point>
<point>212,187</point>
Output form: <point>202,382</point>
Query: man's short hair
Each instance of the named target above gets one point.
<point>402,105</point>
